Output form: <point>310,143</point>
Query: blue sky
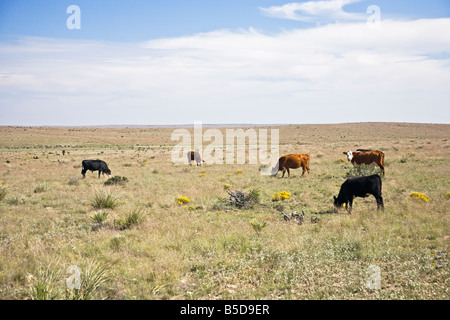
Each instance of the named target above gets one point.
<point>217,61</point>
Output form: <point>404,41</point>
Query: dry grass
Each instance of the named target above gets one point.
<point>206,250</point>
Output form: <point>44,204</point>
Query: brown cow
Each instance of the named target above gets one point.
<point>292,161</point>
<point>194,155</point>
<point>366,157</point>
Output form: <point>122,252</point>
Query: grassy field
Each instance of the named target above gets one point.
<point>134,240</point>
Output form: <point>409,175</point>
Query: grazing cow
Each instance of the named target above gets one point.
<point>292,161</point>
<point>95,165</point>
<point>367,157</point>
<point>359,187</point>
<point>194,155</point>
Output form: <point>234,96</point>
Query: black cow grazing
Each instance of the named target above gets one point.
<point>95,165</point>
<point>359,187</point>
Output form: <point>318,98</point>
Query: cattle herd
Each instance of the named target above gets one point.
<point>350,189</point>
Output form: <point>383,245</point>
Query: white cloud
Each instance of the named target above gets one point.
<point>335,73</point>
<point>313,11</point>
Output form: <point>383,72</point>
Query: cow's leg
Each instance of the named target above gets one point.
<point>289,173</point>
<point>83,172</point>
<point>283,170</point>
<point>99,173</point>
<point>380,204</point>
<point>382,168</point>
<point>349,206</point>
<point>304,170</point>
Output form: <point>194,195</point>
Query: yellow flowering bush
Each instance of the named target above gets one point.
<point>283,195</point>
<point>202,175</point>
<point>420,196</point>
<point>239,171</point>
<point>183,200</point>
<point>447,195</point>
<point>227,186</point>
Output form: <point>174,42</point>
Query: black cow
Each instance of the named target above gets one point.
<point>359,187</point>
<point>95,165</point>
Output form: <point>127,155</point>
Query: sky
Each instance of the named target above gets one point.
<point>143,62</point>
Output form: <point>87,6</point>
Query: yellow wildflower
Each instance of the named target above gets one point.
<point>420,196</point>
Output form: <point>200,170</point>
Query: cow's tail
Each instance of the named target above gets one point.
<point>382,163</point>
<point>275,169</point>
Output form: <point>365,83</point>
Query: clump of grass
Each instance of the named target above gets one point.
<point>282,195</point>
<point>447,195</point>
<point>239,171</point>
<point>420,196</point>
<point>95,275</point>
<point>183,200</point>
<point>155,171</point>
<point>104,200</point>
<point>73,181</point>
<point>100,216</point>
<point>3,193</point>
<point>116,180</point>
<point>40,187</point>
<point>116,242</point>
<point>44,285</point>
<point>14,201</point>
<point>202,175</point>
<point>257,225</point>
<point>133,218</point>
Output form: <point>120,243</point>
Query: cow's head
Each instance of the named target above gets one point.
<point>108,172</point>
<point>349,155</point>
<point>337,204</point>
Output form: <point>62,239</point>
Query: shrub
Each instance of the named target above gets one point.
<point>243,199</point>
<point>183,200</point>
<point>420,197</point>
<point>239,171</point>
<point>104,200</point>
<point>227,186</point>
<point>362,170</point>
<point>283,195</point>
<point>116,180</point>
